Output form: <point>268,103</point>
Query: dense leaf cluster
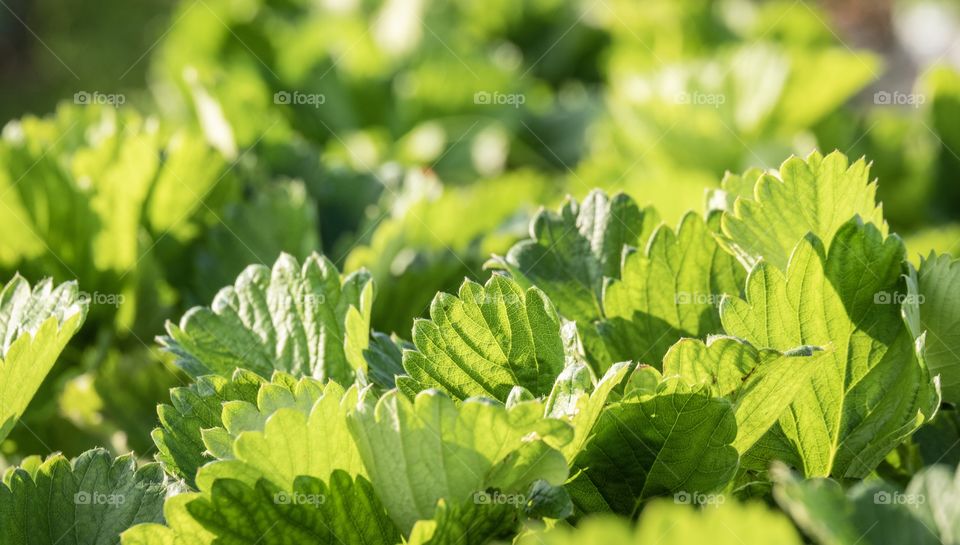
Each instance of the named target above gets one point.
<point>779,346</point>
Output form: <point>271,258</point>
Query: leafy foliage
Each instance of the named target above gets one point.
<point>872,512</point>
<point>670,290</point>
<point>672,441</point>
<point>936,442</point>
<point>587,260</point>
<point>580,400</point>
<point>939,317</point>
<point>759,384</point>
<point>814,195</point>
<point>195,408</point>
<point>89,500</point>
<point>499,415</point>
<point>570,253</point>
<point>346,511</point>
<point>302,423</point>
<point>875,392</point>
<point>778,349</point>
<point>939,510</point>
<point>255,442</point>
<point>121,186</point>
<point>404,444</point>
<point>384,357</point>
<point>35,325</point>
<point>486,341</point>
<point>298,319</point>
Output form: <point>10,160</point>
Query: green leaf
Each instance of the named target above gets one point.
<point>665,523</point>
<point>571,252</point>
<point>813,195</point>
<point>346,511</point>
<point>486,341</point>
<point>761,384</point>
<point>180,529</point>
<point>294,430</point>
<point>936,494</point>
<point>871,391</point>
<point>195,408</point>
<point>420,452</point>
<point>35,326</point>
<point>644,380</point>
<point>676,440</point>
<point>469,523</point>
<point>88,501</point>
<point>292,442</point>
<point>732,187</point>
<point>291,318</point>
<point>721,364</point>
<point>343,509</point>
<point>938,299</point>
<point>384,357</point>
<point>576,399</point>
<point>670,290</point>
<point>938,441</point>
<point>544,500</point>
<point>870,513</point>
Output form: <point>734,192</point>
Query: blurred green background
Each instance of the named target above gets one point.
<point>152,149</point>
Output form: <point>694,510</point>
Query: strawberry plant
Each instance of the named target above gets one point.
<point>538,272</point>
<point>778,346</point>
